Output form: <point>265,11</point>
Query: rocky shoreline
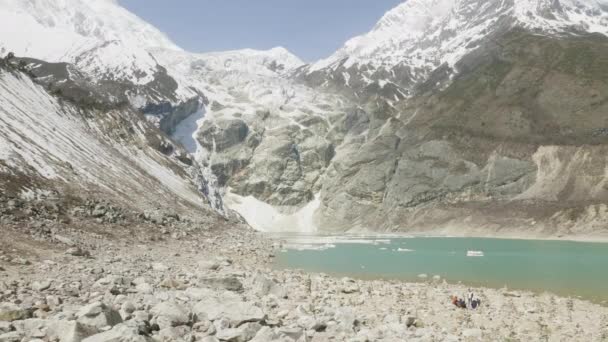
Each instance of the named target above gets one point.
<point>144,283</point>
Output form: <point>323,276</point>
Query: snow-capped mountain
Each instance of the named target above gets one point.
<point>101,38</point>
<point>444,104</point>
<point>418,36</point>
<point>62,20</point>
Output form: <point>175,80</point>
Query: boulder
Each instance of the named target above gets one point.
<point>264,286</point>
<point>293,333</point>
<point>209,339</point>
<point>98,315</point>
<point>5,327</point>
<point>77,252</point>
<point>144,288</point>
<point>31,328</point>
<point>346,318</point>
<point>69,331</point>
<point>349,286</point>
<point>209,265</point>
<point>226,283</point>
<point>170,314</point>
<point>10,312</point>
<point>238,312</point>
<point>64,331</point>
<point>41,285</point>
<point>171,334</point>
<point>12,336</point>
<point>119,333</point>
<point>243,333</point>
<point>266,334</point>
<point>173,284</point>
<point>53,301</point>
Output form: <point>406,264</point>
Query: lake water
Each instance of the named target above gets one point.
<point>565,268</point>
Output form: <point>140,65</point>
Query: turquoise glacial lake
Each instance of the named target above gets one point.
<point>565,268</point>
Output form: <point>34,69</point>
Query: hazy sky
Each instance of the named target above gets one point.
<point>311,29</point>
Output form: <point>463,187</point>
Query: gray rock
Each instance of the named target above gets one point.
<point>222,134</point>
<point>238,312</point>
<point>53,301</point>
<point>144,288</point>
<point>263,286</point>
<point>227,283</point>
<point>243,333</point>
<point>64,239</point>
<point>77,252</point>
<point>41,285</point>
<point>210,339</point>
<point>5,327</point>
<point>119,333</point>
<point>178,333</point>
<point>266,334</point>
<point>171,283</point>
<point>10,312</point>
<point>98,315</point>
<point>64,331</point>
<point>204,326</point>
<point>128,307</point>
<point>292,333</point>
<point>349,286</point>
<point>170,314</point>
<point>209,265</point>
<point>346,318</point>
<point>12,336</point>
<point>31,328</point>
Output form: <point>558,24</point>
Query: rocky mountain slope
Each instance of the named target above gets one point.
<point>500,131</point>
<point>68,145</point>
<point>107,44</point>
<point>516,144</point>
<point>450,115</point>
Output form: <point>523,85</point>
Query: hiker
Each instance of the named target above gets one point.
<point>470,297</point>
<point>476,303</point>
<point>454,300</point>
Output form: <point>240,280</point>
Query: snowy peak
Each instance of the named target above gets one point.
<point>556,15</point>
<point>103,20</point>
<point>99,36</point>
<point>274,61</point>
<point>434,28</point>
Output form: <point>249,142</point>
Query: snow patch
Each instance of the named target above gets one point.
<point>267,218</point>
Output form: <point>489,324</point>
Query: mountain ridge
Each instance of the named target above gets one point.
<point>384,142</point>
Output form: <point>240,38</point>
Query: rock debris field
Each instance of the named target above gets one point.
<point>142,283</point>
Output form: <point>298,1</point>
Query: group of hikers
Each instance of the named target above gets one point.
<point>468,303</point>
